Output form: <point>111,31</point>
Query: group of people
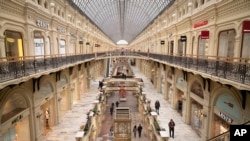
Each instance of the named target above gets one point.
<point>113,106</point>
<point>137,129</point>
<point>171,125</point>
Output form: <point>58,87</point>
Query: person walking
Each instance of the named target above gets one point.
<point>171,125</point>
<point>100,85</point>
<point>135,130</point>
<point>139,130</point>
<point>111,110</point>
<point>117,103</point>
<point>157,106</point>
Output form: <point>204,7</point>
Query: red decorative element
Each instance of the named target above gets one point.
<point>204,34</point>
<point>246,27</point>
<point>122,93</point>
<point>229,104</point>
<point>200,24</point>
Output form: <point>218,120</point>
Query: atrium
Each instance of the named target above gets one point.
<point>94,70</point>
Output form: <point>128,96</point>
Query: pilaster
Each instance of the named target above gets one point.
<point>2,47</point>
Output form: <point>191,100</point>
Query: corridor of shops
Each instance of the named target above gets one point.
<point>190,55</point>
<point>67,129</point>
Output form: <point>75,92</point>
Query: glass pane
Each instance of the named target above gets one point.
<point>122,19</point>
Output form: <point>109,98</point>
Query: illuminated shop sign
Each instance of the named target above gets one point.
<point>38,42</point>
<point>183,38</point>
<point>42,24</point>
<point>225,117</point>
<point>204,34</point>
<point>202,23</point>
<point>246,27</point>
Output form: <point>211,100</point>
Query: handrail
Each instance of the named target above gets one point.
<point>246,123</point>
<point>234,69</point>
<point>219,135</point>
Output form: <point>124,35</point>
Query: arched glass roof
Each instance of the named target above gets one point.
<point>122,19</point>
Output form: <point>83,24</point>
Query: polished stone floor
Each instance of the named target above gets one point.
<point>71,122</point>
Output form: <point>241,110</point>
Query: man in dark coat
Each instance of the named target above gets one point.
<point>139,128</point>
<point>171,125</point>
<point>157,106</point>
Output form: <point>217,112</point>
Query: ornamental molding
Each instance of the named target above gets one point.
<point>11,10</point>
<point>233,9</point>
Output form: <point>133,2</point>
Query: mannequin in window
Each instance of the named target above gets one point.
<point>47,117</point>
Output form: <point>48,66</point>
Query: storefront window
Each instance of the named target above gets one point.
<point>9,136</point>
<point>246,46</point>
<point>62,47</point>
<point>203,47</point>
<point>180,47</point>
<point>196,117</point>
<point>13,44</point>
<point>180,81</point>
<point>226,43</point>
<point>220,126</point>
<point>38,44</point>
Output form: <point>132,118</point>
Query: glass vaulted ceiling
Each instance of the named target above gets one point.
<point>121,19</point>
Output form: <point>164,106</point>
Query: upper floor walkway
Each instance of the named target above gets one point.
<point>232,71</point>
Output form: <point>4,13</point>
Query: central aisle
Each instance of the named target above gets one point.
<point>108,120</point>
<point>69,125</point>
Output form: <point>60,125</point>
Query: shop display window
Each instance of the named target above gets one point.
<point>196,117</point>
<point>203,47</point>
<point>226,43</point>
<point>13,44</point>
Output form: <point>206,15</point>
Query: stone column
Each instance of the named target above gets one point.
<point>158,79</point>
<point>2,46</point>
<point>237,48</point>
<point>173,93</point>
<point>206,112</point>
<point>185,105</point>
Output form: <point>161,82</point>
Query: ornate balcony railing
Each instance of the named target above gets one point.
<point>235,69</point>
<point>13,68</point>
